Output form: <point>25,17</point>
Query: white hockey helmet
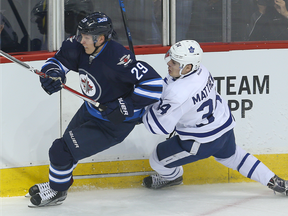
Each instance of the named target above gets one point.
<point>185,52</point>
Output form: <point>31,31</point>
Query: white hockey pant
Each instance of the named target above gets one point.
<point>248,165</point>
<point>167,173</point>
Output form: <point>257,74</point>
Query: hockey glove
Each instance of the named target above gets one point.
<point>51,86</point>
<point>118,110</point>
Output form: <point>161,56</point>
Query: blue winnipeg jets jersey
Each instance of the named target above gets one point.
<point>113,73</point>
<point>191,106</point>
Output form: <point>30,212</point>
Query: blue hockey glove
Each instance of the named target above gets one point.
<point>118,110</point>
<point>51,86</point>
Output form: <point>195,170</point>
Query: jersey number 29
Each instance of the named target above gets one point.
<point>139,70</point>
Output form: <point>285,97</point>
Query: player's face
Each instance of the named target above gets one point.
<point>173,68</point>
<point>41,22</point>
<point>88,43</point>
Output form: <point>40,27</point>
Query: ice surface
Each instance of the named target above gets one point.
<point>243,199</point>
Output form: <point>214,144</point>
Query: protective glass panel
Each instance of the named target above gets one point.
<point>241,11</point>
<point>268,20</point>
<point>232,20</point>
<point>205,20</point>
<point>143,19</point>
<point>23,25</point>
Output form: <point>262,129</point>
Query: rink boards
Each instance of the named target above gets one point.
<point>252,81</point>
<point>129,174</point>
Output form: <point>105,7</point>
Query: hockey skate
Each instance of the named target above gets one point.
<point>278,185</point>
<point>49,197</point>
<point>157,182</point>
<point>37,188</point>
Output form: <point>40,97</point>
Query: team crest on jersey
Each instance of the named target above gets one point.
<point>125,60</point>
<point>89,85</point>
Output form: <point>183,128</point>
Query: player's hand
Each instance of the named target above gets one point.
<point>117,111</point>
<point>51,86</point>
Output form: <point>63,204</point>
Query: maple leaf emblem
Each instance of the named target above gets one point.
<point>191,49</point>
<point>86,85</point>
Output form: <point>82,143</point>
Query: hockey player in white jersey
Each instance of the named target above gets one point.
<point>191,106</point>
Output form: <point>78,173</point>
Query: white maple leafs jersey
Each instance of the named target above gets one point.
<point>191,106</point>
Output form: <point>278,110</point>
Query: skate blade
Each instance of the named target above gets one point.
<point>28,195</point>
<point>31,205</point>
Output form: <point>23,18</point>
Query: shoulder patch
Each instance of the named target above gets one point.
<point>125,60</point>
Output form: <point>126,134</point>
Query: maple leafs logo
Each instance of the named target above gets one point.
<point>191,49</point>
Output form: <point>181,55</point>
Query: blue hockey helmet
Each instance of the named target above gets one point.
<point>96,24</point>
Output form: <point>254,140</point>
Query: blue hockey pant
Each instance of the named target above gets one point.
<point>85,136</point>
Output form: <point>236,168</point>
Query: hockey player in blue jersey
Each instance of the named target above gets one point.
<point>108,74</point>
<point>191,106</point>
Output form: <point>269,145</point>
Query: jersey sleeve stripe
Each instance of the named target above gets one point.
<point>153,82</point>
<point>147,93</point>
<point>149,88</point>
<point>156,121</point>
<point>57,63</point>
<point>151,129</point>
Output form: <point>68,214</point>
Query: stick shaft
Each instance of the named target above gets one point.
<point>127,30</point>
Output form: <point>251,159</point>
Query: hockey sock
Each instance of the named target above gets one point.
<point>167,173</point>
<point>248,165</point>
<point>61,179</point>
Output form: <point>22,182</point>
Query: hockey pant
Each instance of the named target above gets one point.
<point>85,136</point>
<point>169,156</point>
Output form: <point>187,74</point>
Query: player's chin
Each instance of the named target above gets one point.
<point>88,51</point>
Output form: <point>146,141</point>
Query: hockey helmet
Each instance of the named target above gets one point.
<point>185,52</point>
<point>95,24</point>
<point>39,14</point>
<point>40,9</point>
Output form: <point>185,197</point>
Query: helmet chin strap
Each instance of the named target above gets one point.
<point>180,72</point>
<point>96,48</point>
<point>92,55</point>
<point>181,69</point>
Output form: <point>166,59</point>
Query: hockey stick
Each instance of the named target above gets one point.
<point>43,75</point>
<point>128,33</point>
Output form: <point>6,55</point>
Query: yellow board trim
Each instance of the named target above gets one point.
<point>17,181</point>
